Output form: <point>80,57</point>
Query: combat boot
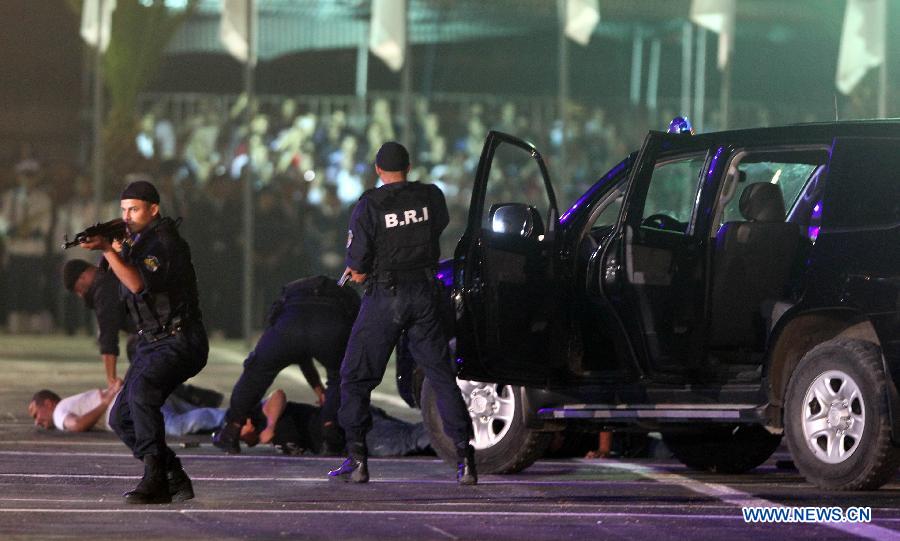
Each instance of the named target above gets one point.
<point>465,467</point>
<point>153,487</point>
<point>356,468</point>
<point>180,487</point>
<point>228,438</point>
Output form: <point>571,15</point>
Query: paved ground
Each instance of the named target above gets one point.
<point>56,485</point>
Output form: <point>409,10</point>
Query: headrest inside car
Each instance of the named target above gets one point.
<point>762,202</point>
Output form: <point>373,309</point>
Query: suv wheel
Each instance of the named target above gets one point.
<point>729,449</point>
<point>836,417</point>
<point>502,441</point>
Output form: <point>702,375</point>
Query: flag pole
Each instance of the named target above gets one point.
<point>883,70</point>
<point>98,119</point>
<point>406,83</point>
<point>725,95</point>
<point>563,88</point>
<point>248,175</point>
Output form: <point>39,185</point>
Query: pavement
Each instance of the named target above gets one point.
<point>68,486</point>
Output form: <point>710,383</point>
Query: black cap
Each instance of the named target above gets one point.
<point>72,270</point>
<point>141,189</point>
<point>392,156</point>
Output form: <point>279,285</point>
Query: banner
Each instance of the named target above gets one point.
<point>862,42</point>
<point>96,18</point>
<point>582,17</point>
<point>235,27</point>
<point>717,16</point>
<point>387,35</point>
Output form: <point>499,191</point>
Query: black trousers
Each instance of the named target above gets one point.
<point>155,370</point>
<point>317,329</point>
<point>385,313</point>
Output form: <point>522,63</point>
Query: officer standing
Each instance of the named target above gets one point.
<point>159,289</point>
<point>393,247</point>
<point>311,320</point>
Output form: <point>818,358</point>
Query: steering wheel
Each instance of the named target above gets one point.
<point>662,221</point>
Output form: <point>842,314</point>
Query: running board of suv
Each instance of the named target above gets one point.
<point>657,412</point>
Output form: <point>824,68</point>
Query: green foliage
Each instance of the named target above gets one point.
<point>140,35</point>
<point>139,38</point>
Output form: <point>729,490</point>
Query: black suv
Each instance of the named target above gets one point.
<point>722,289</point>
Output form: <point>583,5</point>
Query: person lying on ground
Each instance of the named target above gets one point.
<point>296,428</point>
<point>183,412</point>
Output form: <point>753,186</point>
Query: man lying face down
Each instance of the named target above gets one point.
<point>188,410</point>
<point>296,428</point>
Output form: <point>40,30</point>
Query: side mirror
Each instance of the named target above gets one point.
<point>516,219</point>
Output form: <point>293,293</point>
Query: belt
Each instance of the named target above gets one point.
<point>154,335</point>
<point>403,276</point>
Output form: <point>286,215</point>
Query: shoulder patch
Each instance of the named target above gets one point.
<point>349,237</point>
<point>151,263</point>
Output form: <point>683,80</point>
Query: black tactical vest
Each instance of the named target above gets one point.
<point>320,289</point>
<point>404,238</point>
<point>157,312</point>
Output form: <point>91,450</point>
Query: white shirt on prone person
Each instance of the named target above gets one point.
<point>180,417</point>
<point>80,404</point>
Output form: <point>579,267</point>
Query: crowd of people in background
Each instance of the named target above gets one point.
<point>308,168</point>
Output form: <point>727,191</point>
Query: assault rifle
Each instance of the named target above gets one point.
<point>111,230</point>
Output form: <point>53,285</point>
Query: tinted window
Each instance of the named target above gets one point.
<point>863,184</point>
<point>790,177</point>
<point>515,178</point>
<point>672,194</point>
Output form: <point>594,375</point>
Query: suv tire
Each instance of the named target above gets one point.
<point>723,449</point>
<point>836,417</point>
<point>503,443</point>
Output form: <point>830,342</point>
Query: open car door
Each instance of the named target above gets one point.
<point>654,271</point>
<point>504,292</point>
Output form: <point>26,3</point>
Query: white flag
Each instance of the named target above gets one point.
<point>862,41</point>
<point>582,17</point>
<point>96,18</point>
<point>717,16</point>
<point>234,28</point>
<point>387,35</point>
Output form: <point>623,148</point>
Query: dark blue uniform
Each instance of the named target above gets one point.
<point>173,345</point>
<point>103,297</point>
<point>311,320</point>
<point>394,239</point>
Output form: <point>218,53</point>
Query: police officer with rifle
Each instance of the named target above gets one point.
<point>393,248</point>
<point>159,288</point>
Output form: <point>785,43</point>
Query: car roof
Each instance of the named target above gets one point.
<point>799,133</point>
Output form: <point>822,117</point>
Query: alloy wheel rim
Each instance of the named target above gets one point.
<point>833,416</point>
<point>491,409</point>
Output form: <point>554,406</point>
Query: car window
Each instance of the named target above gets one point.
<point>515,178</point>
<point>612,205</point>
<point>790,177</point>
<point>672,194</point>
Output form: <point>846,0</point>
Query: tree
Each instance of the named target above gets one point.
<point>141,31</point>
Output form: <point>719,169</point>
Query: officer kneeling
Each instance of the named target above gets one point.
<point>159,289</point>
<point>393,247</point>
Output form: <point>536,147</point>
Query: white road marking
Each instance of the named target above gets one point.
<point>851,528</point>
<point>446,534</point>
<point>237,358</point>
<point>63,442</point>
<point>741,499</point>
